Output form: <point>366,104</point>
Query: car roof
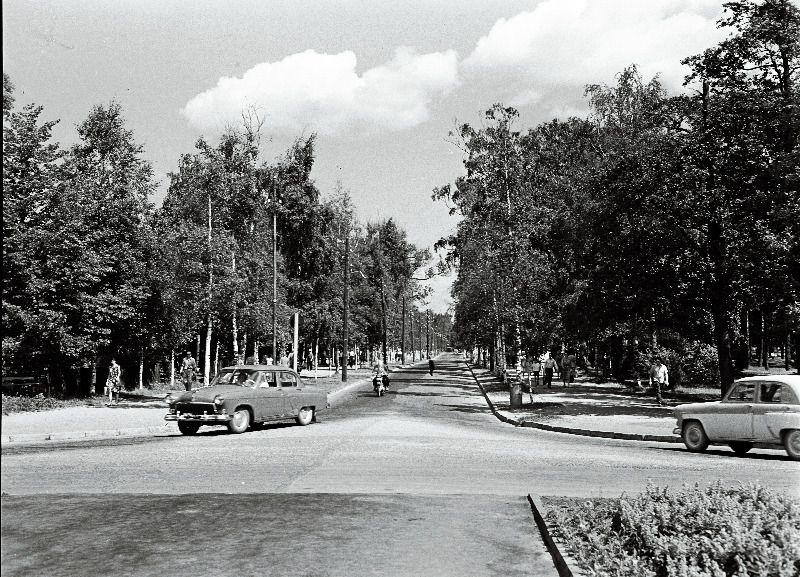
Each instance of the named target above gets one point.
<point>787,379</point>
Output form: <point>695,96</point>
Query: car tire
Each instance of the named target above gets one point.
<point>188,428</point>
<point>740,447</point>
<point>694,437</point>
<point>791,442</point>
<point>305,416</point>
<point>240,421</point>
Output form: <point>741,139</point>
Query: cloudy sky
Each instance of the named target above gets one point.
<point>381,83</point>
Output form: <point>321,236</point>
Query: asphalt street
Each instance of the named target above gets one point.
<point>430,445</point>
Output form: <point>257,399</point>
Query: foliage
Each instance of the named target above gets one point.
<point>747,530</point>
<point>24,404</point>
<point>654,216</point>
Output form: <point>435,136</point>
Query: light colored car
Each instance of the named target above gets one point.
<point>754,410</point>
<point>245,395</point>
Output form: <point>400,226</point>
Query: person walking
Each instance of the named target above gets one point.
<point>550,365</point>
<point>659,377</point>
<point>431,365</point>
<point>189,371</point>
<point>536,368</point>
<point>568,368</point>
<point>114,383</point>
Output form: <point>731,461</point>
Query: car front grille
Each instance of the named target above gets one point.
<point>196,408</point>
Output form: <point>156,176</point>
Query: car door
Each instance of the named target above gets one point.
<point>733,417</point>
<point>774,399</point>
<point>291,394</point>
<point>270,398</point>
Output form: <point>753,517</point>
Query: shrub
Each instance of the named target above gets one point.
<point>701,365</point>
<point>714,532</point>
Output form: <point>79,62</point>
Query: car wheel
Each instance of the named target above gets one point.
<point>305,416</point>
<point>188,428</point>
<point>791,442</point>
<point>240,421</point>
<point>694,437</point>
<point>740,447</point>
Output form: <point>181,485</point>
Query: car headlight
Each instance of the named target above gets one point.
<point>218,400</point>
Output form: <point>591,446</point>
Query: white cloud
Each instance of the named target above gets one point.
<point>563,43</point>
<point>324,93</point>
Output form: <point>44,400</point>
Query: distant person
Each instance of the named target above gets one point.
<point>550,365</point>
<point>431,365</point>
<point>536,368</point>
<point>568,368</point>
<point>284,362</point>
<point>658,377</point>
<point>114,382</point>
<point>188,371</point>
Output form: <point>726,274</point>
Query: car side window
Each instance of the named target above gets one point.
<point>743,393</point>
<point>269,379</point>
<point>288,380</point>
<point>770,392</point>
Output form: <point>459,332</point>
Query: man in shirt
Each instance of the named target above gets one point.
<point>658,377</point>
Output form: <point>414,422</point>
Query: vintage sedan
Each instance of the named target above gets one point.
<point>245,395</point>
<point>762,410</point>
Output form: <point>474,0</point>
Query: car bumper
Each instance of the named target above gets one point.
<point>197,418</point>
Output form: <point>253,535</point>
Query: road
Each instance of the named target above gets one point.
<point>429,450</point>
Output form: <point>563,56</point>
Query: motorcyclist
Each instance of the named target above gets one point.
<point>379,372</point>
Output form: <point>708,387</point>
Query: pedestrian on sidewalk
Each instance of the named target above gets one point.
<point>431,365</point>
<point>536,368</point>
<point>658,377</point>
<point>113,383</point>
<point>549,366</point>
<point>189,371</point>
<point>568,368</point>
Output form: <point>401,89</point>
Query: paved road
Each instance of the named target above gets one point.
<point>430,436</point>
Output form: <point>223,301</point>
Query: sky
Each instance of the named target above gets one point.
<point>381,83</point>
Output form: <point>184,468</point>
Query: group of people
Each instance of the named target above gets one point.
<point>532,366</point>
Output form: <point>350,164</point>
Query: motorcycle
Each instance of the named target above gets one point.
<point>380,385</point>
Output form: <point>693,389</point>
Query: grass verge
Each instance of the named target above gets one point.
<point>717,531</point>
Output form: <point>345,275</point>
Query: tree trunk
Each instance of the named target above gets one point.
<point>235,328</point>
<point>93,380</point>
<point>722,337</point>
<point>207,354</point>
<point>764,342</point>
<point>141,370</point>
<point>172,368</point>
<point>787,361</point>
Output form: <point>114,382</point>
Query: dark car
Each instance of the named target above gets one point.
<point>245,395</point>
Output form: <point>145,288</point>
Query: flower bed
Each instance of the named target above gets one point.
<point>718,531</point>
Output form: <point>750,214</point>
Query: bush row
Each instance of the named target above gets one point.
<point>742,531</point>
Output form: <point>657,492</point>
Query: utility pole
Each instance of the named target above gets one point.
<point>346,298</point>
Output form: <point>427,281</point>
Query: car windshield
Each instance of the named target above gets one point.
<point>242,377</point>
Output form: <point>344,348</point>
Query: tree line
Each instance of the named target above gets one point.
<point>659,224</point>
<point>92,269</point>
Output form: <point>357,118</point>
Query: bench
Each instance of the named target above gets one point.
<point>16,386</point>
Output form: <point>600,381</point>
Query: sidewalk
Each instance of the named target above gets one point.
<point>585,408</point>
<point>136,416</point>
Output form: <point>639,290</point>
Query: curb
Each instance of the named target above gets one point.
<point>74,435</point>
<point>570,430</point>
<point>565,564</point>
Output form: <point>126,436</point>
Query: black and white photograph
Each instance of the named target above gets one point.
<point>424,288</point>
